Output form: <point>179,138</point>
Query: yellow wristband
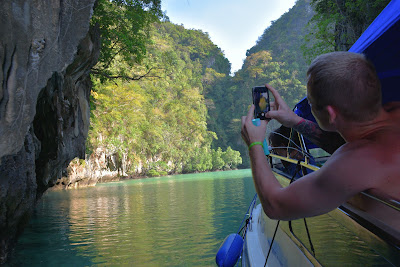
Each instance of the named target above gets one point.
<point>255,143</point>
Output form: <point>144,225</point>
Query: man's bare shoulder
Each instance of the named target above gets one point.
<point>370,164</point>
<point>376,153</point>
<point>355,150</point>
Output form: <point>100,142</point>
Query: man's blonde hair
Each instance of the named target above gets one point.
<point>347,81</point>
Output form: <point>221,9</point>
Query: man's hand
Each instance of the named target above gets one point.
<point>250,132</point>
<point>280,111</point>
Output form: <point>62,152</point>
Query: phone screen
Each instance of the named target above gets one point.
<point>261,102</point>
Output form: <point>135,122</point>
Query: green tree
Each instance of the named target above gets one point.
<point>337,24</point>
<point>159,123</point>
<point>124,28</point>
<point>231,158</point>
<point>217,161</point>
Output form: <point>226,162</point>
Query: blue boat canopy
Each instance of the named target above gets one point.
<point>381,44</point>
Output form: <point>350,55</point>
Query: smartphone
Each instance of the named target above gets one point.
<point>261,102</point>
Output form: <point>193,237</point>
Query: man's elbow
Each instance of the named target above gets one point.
<point>273,211</point>
<point>275,214</point>
<point>277,211</point>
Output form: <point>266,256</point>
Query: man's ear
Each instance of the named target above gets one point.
<point>333,114</point>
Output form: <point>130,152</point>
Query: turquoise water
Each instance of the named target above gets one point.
<point>172,221</point>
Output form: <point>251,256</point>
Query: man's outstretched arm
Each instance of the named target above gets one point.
<point>314,194</point>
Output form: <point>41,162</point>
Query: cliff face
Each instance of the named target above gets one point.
<point>46,53</point>
<point>100,166</point>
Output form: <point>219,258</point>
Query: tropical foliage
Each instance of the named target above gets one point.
<point>175,106</point>
<point>157,125</point>
<point>337,24</point>
<point>124,27</point>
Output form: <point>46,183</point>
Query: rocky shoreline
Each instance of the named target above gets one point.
<point>66,183</point>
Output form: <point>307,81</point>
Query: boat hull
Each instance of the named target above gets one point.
<point>259,236</point>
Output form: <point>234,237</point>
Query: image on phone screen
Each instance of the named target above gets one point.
<point>261,102</point>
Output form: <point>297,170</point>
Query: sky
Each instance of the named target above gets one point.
<point>233,25</point>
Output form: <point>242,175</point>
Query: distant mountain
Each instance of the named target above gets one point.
<point>277,58</point>
<point>285,37</point>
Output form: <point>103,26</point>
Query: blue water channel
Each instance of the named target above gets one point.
<point>171,221</point>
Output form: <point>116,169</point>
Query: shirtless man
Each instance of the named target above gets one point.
<point>345,96</point>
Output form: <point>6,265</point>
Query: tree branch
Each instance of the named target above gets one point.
<point>136,78</point>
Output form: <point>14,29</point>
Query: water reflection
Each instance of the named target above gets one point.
<point>174,221</point>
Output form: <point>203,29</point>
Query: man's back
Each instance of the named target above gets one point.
<point>387,155</point>
<point>382,171</point>
<point>375,158</point>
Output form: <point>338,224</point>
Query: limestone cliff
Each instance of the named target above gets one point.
<point>46,53</point>
<point>101,166</point>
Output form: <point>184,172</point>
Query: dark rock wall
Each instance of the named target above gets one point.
<point>62,115</point>
<point>46,53</point>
